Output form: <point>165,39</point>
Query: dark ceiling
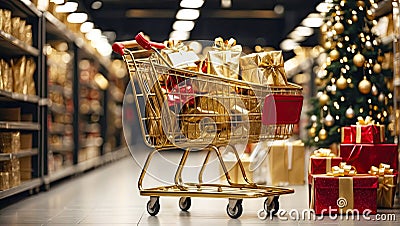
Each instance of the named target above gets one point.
<point>251,22</point>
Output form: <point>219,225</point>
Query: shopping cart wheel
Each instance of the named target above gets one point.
<point>271,205</point>
<point>153,206</point>
<point>234,208</point>
<point>185,203</point>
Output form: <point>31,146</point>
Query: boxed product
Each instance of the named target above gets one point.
<point>363,156</point>
<point>180,55</point>
<point>234,170</point>
<point>12,167</point>
<point>4,181</point>
<point>322,160</point>
<point>264,68</point>
<point>365,132</point>
<point>279,163</point>
<point>387,185</point>
<point>9,142</point>
<point>25,168</point>
<point>10,114</point>
<point>224,59</point>
<point>338,195</point>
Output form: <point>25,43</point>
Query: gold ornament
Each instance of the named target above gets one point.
<point>328,45</point>
<point>360,3</point>
<point>339,28</point>
<point>334,55</point>
<point>374,90</point>
<point>354,18</point>
<point>377,68</point>
<point>381,97</point>
<point>349,113</point>
<point>323,134</point>
<point>359,60</point>
<point>364,86</point>
<point>312,132</point>
<point>341,83</point>
<point>329,120</point>
<point>324,99</point>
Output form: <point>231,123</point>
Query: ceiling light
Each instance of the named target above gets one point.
<point>193,4</point>
<point>187,14</point>
<point>77,18</point>
<point>93,34</point>
<point>181,25</point>
<point>97,4</point>
<point>304,31</point>
<point>313,20</point>
<point>296,36</point>
<point>226,3</point>
<point>279,9</point>
<point>288,44</point>
<point>86,27</point>
<point>324,7</point>
<point>179,35</point>
<point>68,7</point>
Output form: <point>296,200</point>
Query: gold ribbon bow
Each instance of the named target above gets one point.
<point>323,152</point>
<point>384,169</point>
<point>176,45</point>
<point>343,170</point>
<point>273,64</point>
<point>221,44</point>
<point>364,122</point>
<point>385,192</point>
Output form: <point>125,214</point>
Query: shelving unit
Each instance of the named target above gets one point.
<point>54,109</point>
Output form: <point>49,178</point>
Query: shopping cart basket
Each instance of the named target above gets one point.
<point>188,110</point>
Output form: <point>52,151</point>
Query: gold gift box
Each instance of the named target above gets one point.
<point>264,68</point>
<point>285,163</point>
<point>234,170</point>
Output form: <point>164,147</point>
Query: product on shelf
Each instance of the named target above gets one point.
<point>13,168</point>
<point>5,20</point>
<point>4,181</point>
<point>17,76</point>
<point>10,142</point>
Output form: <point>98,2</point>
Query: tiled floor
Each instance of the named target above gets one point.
<point>109,196</point>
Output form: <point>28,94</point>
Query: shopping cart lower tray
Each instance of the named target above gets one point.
<point>186,110</point>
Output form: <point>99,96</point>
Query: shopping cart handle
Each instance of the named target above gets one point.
<point>146,44</point>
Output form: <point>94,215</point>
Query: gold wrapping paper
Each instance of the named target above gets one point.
<point>18,70</point>
<point>153,111</point>
<point>386,191</point>
<point>224,59</point>
<point>7,27</point>
<point>28,34</point>
<point>264,68</point>
<point>29,82</point>
<point>6,74</point>
<point>15,25</point>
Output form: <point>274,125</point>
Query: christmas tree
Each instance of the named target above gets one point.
<point>351,83</point>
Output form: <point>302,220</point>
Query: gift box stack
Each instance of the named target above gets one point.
<point>361,177</point>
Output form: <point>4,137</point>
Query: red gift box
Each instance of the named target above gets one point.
<point>335,195</point>
<point>322,165</point>
<point>363,156</point>
<point>368,134</point>
<point>347,136</point>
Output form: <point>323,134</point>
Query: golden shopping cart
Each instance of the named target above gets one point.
<point>188,110</point>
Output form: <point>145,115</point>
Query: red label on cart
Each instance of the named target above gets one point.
<point>282,109</point>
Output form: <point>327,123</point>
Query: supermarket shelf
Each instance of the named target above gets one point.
<point>86,165</point>
<point>55,26</point>
<point>61,148</point>
<point>57,128</point>
<point>24,186</point>
<point>13,46</point>
<point>59,174</point>
<point>5,95</point>
<point>27,7</point>
<point>19,125</point>
<point>20,154</point>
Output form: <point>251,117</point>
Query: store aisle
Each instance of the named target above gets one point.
<point>109,196</point>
